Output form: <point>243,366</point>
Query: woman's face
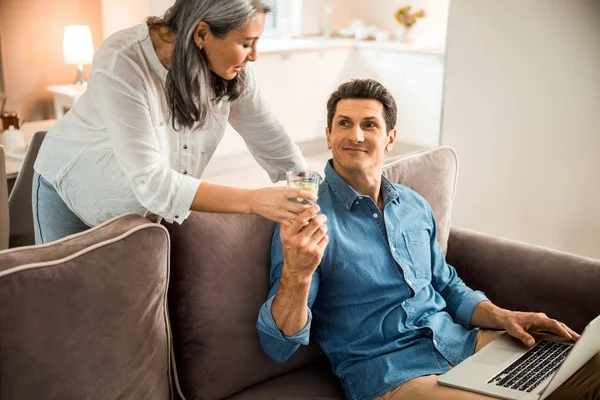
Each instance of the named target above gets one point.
<point>227,56</point>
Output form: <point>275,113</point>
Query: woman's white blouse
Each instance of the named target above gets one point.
<point>116,152</point>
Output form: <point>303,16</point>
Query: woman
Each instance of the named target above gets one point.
<point>158,100</point>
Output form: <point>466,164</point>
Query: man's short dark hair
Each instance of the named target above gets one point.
<point>368,89</point>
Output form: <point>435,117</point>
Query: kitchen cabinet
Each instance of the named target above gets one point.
<point>296,85</point>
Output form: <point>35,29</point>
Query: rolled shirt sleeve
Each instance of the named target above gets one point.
<point>460,299</point>
<point>264,135</point>
<point>137,149</point>
<point>275,344</point>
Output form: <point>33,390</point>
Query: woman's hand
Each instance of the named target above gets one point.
<point>277,204</point>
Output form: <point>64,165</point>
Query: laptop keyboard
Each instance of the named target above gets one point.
<point>533,367</point>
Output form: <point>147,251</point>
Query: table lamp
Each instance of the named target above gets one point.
<point>78,48</point>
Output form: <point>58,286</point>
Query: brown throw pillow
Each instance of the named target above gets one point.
<point>87,319</point>
<point>432,174</point>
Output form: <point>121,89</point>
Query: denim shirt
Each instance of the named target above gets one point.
<point>384,305</point>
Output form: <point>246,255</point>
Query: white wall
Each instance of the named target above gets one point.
<point>158,7</point>
<point>381,13</point>
<point>121,14</point>
<point>522,109</point>
<point>313,15</point>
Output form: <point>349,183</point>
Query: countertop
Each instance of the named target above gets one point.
<point>276,46</point>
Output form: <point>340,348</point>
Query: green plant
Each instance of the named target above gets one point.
<point>405,17</point>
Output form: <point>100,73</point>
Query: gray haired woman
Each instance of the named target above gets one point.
<point>158,100</point>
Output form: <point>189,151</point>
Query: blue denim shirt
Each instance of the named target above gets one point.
<point>384,305</point>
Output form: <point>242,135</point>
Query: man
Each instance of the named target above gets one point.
<point>384,305</point>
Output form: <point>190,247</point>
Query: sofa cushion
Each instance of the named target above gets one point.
<point>88,318</point>
<point>313,382</point>
<point>219,279</point>
<point>432,174</point>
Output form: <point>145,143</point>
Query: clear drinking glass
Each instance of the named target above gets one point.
<point>304,180</point>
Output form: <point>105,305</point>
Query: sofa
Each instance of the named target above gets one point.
<point>140,309</point>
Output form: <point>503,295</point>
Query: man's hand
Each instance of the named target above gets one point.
<point>303,243</point>
<point>518,324</point>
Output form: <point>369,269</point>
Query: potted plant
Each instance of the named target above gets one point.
<point>407,19</point>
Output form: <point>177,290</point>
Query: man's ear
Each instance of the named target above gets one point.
<point>201,33</point>
<point>327,135</point>
<point>391,140</point>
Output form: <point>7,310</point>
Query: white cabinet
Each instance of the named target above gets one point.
<point>415,81</point>
<point>297,84</point>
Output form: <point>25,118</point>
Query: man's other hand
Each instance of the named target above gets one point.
<point>519,324</point>
<point>303,243</point>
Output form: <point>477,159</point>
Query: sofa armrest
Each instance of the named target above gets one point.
<point>522,277</point>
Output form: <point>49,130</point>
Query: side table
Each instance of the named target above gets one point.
<point>65,97</point>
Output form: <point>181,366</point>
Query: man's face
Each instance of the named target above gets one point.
<point>358,137</point>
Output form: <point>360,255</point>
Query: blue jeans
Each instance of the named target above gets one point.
<point>52,219</point>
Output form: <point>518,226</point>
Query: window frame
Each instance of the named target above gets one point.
<point>288,13</point>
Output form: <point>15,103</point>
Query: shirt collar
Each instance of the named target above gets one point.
<point>151,56</point>
<point>346,195</point>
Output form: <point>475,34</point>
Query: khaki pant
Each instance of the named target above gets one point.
<point>583,385</point>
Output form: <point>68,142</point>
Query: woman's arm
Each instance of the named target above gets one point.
<point>273,203</point>
<point>264,135</point>
<point>157,186</point>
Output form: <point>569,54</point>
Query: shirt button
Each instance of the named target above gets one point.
<point>360,198</point>
<point>185,171</point>
<point>375,215</point>
<point>177,216</point>
<point>409,281</point>
<point>435,342</point>
<point>185,146</point>
<point>356,202</point>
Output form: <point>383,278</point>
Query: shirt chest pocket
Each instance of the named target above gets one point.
<point>419,251</point>
<point>212,133</point>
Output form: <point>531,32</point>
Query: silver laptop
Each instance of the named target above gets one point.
<point>508,369</point>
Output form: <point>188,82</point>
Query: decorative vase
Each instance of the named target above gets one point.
<point>405,34</point>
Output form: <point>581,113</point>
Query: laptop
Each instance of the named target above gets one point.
<point>508,369</point>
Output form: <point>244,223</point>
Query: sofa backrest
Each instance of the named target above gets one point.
<point>219,279</point>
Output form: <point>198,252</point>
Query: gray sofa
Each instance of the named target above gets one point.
<point>88,316</point>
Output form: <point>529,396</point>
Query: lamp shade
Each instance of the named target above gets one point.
<point>78,47</point>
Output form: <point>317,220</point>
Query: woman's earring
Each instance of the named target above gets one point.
<point>199,47</point>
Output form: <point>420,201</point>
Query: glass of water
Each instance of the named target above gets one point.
<point>304,180</point>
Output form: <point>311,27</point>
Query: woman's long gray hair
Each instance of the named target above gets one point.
<point>191,86</point>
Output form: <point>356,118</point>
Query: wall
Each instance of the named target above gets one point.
<point>311,18</point>
<point>121,14</point>
<point>32,36</point>
<point>522,109</point>
<point>313,12</point>
<point>381,13</point>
